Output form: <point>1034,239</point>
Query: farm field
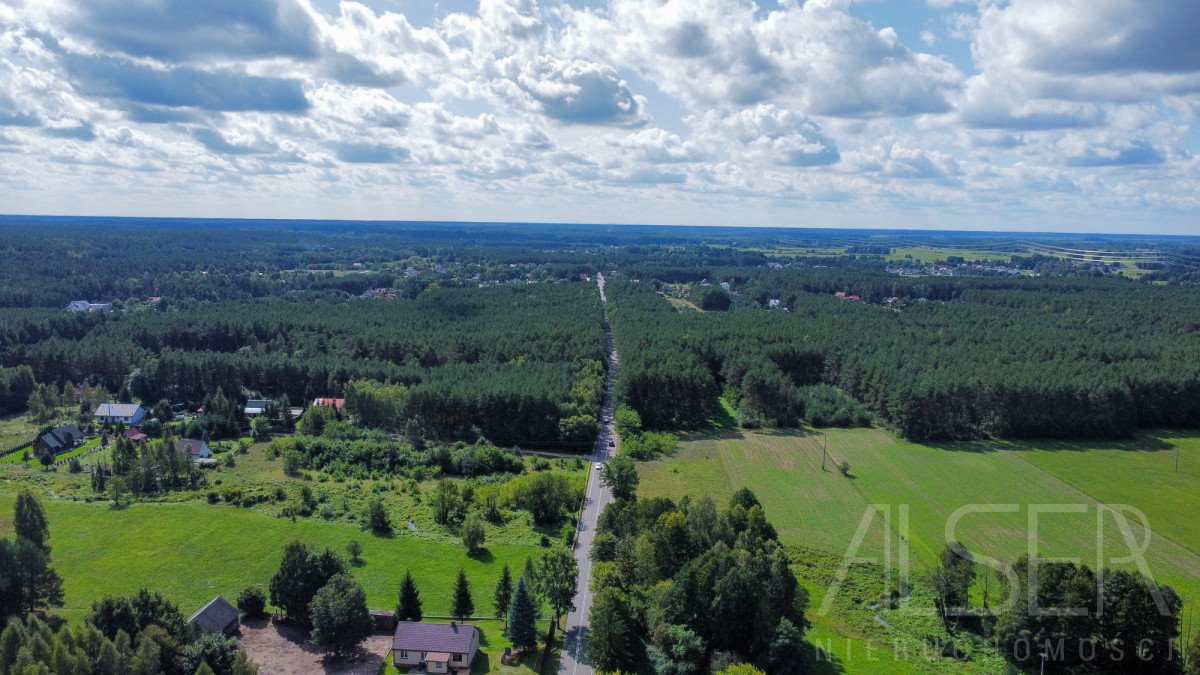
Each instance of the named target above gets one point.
<point>823,509</point>
<point>930,254</point>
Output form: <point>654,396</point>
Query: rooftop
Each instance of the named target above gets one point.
<point>215,616</point>
<point>434,637</point>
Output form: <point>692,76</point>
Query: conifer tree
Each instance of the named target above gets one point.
<point>503,597</point>
<point>409,606</point>
<point>522,619</point>
<point>464,605</point>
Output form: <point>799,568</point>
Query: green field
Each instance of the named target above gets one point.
<point>821,510</point>
<point>192,552</point>
<point>930,254</point>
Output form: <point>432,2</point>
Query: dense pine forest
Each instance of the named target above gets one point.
<point>936,359</point>
<point>469,331</point>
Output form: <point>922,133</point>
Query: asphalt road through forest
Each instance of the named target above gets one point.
<point>598,496</point>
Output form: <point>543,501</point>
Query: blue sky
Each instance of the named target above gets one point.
<point>1057,115</point>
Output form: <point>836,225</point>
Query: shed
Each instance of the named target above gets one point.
<point>218,616</point>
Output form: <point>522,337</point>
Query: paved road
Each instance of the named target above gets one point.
<point>598,496</point>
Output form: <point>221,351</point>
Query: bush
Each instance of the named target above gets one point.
<point>828,406</point>
<point>213,497</point>
<point>649,445</point>
<point>252,602</point>
<point>377,517</point>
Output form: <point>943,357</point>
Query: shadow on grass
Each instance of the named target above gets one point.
<point>1145,441</point>
<point>483,555</point>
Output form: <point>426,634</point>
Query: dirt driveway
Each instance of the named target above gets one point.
<point>283,649</point>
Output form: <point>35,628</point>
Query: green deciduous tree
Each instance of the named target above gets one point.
<point>377,517</point>
<point>627,421</point>
<point>446,502</point>
<point>613,633</point>
<point>213,650</point>
<point>340,618</point>
<point>302,572</point>
<point>621,475</point>
<point>473,534</point>
<point>951,580</point>
<point>676,650</point>
<point>252,602</point>
<point>558,576</point>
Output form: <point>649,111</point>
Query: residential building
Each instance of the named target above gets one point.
<point>58,440</point>
<point>256,407</point>
<point>197,449</point>
<point>338,403</point>
<point>437,647</point>
<point>128,414</point>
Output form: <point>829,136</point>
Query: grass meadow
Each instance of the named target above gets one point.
<point>818,512</point>
<point>193,551</point>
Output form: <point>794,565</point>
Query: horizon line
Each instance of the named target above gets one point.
<point>593,224</point>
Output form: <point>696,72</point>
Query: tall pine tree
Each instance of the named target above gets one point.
<point>522,619</point>
<point>464,605</point>
<point>503,597</point>
<point>408,608</point>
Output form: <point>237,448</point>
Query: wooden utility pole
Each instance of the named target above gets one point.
<point>824,448</point>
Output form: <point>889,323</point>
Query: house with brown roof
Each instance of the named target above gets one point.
<point>437,647</point>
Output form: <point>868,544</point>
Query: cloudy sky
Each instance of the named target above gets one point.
<point>1026,114</point>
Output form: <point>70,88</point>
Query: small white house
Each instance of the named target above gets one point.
<point>129,414</point>
<point>196,449</point>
